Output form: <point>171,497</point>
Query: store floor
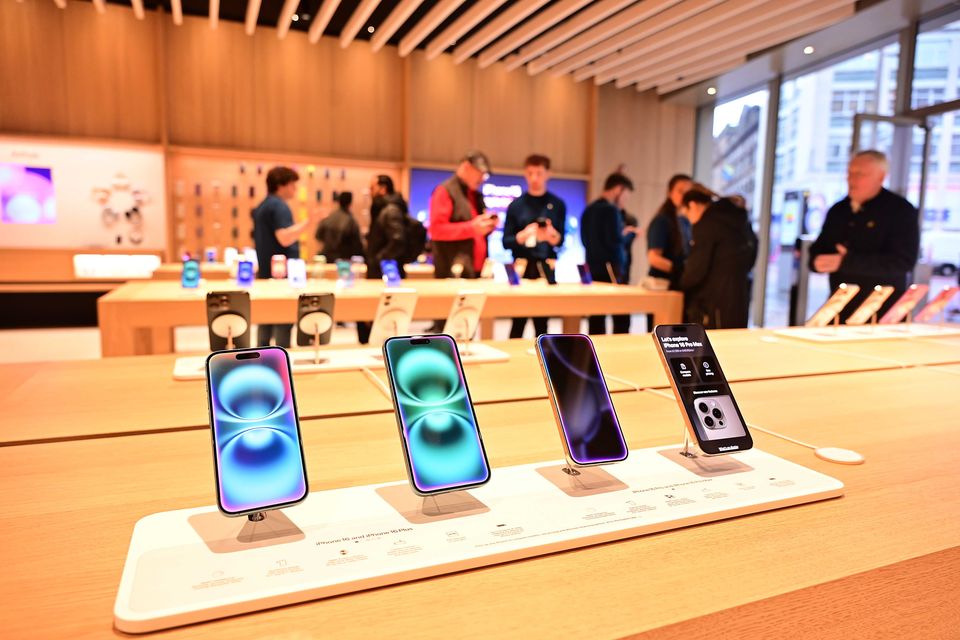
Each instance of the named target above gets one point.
<point>33,345</point>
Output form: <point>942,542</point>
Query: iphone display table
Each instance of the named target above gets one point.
<point>195,564</point>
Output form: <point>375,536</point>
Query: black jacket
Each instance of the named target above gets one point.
<point>387,237</point>
<point>340,235</point>
<point>882,241</point>
<point>716,274</point>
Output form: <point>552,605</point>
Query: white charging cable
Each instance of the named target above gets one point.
<point>375,379</point>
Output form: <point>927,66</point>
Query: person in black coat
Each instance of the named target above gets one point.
<point>870,237</point>
<point>716,274</point>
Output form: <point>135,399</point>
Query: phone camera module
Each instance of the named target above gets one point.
<point>703,407</point>
<point>709,422</point>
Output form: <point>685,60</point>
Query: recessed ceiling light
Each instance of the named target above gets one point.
<point>371,29</point>
<point>294,17</point>
<point>807,50</point>
<point>711,91</point>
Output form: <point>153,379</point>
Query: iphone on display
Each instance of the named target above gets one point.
<point>833,306</point>
<point>258,455</point>
<point>314,318</point>
<point>394,312</point>
<point>439,434</point>
<point>190,275</point>
<point>296,273</point>
<point>512,276</point>
<point>871,305</point>
<point>581,402</point>
<point>710,413</point>
<point>228,317</point>
<point>464,316</point>
<point>245,274</point>
<point>391,272</point>
<point>907,303</point>
<point>585,276</point>
<point>937,305</point>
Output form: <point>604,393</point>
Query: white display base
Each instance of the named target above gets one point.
<point>195,564</point>
<point>301,360</point>
<point>844,333</point>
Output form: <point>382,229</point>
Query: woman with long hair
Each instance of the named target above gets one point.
<point>668,238</point>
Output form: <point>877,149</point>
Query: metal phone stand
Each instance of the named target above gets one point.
<point>229,325</point>
<point>316,323</point>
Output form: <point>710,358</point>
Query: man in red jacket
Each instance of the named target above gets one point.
<point>459,226</point>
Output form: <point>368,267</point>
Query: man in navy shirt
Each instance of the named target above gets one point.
<point>602,230</point>
<point>534,229</point>
<point>275,233</point>
<point>871,237</point>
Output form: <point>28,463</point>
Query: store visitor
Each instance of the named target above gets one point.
<point>716,274</point>
<point>668,238</point>
<point>871,237</point>
<point>601,231</point>
<point>339,233</point>
<point>275,233</point>
<point>459,225</point>
<point>533,230</point>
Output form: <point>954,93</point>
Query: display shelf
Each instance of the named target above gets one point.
<point>302,361</point>
<point>194,565</point>
<point>866,333</point>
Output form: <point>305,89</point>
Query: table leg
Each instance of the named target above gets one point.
<point>571,324</point>
<point>485,330</point>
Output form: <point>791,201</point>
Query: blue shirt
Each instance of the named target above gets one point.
<point>658,237</point>
<point>526,209</point>
<point>269,216</point>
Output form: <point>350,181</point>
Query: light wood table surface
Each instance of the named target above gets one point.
<point>139,317</point>
<point>220,271</point>
<point>906,352</point>
<point>90,398</point>
<point>880,561</point>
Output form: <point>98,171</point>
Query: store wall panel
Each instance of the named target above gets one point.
<point>32,93</point>
<point>210,84</point>
<point>442,109</point>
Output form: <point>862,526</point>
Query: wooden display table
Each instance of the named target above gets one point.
<point>220,271</point>
<point>139,317</point>
<point>138,394</point>
<point>881,561</point>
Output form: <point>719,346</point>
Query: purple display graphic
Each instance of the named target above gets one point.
<point>26,195</point>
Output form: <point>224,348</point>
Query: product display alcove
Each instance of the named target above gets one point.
<point>195,564</point>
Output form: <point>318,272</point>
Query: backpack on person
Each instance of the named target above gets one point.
<point>414,238</point>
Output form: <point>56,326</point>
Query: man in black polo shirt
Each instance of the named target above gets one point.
<point>870,237</point>
<point>274,232</point>
<point>533,230</point>
<point>601,230</point>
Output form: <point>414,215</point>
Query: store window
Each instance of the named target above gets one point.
<point>739,131</point>
<point>937,80</point>
<point>812,155</point>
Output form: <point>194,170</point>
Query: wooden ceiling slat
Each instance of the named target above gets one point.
<point>471,18</point>
<point>503,22</point>
<point>400,14</point>
<point>434,18</point>
<point>530,30</point>
<point>356,21</point>
<point>322,19</point>
<point>253,14</point>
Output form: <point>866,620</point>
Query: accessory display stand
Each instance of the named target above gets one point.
<point>195,564</point>
<point>302,360</point>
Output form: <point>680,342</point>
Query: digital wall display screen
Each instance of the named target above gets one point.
<point>498,192</point>
<point>26,194</point>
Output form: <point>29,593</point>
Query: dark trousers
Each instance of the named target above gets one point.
<point>279,332</point>
<point>598,324</point>
<point>363,331</point>
<point>519,324</point>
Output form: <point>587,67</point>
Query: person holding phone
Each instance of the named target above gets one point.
<point>870,237</point>
<point>275,233</point>
<point>601,230</point>
<point>459,225</point>
<point>533,229</point>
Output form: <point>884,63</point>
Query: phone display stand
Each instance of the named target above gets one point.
<point>354,539</point>
<point>418,509</point>
<point>228,325</point>
<point>578,482</point>
<point>854,333</point>
<point>315,324</point>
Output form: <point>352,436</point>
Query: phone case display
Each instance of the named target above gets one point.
<point>195,564</point>
<point>222,193</point>
<point>831,309</point>
<point>903,307</point>
<point>122,205</point>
